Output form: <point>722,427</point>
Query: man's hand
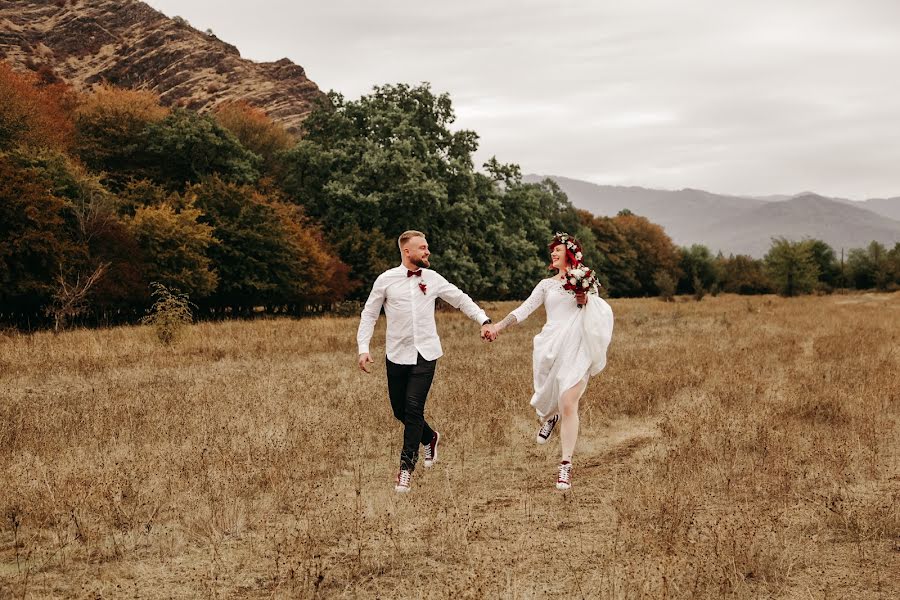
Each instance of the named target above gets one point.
<point>488,333</point>
<point>581,298</point>
<point>365,359</point>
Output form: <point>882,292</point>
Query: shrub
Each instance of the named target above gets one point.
<point>169,314</point>
<point>666,285</point>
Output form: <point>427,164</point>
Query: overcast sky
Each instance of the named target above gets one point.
<point>742,97</point>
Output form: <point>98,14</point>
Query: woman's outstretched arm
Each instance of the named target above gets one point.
<point>508,320</point>
<point>521,313</point>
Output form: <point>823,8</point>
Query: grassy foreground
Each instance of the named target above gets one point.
<point>736,447</point>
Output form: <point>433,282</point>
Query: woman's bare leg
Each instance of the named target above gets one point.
<point>568,423</point>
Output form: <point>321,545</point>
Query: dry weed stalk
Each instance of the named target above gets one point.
<point>70,298</point>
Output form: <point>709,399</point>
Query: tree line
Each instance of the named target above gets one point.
<point>104,193</point>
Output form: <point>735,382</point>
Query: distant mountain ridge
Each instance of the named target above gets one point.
<point>888,207</point>
<point>743,225</point>
<point>130,44</point>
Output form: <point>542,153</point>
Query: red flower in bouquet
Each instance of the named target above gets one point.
<point>580,279</point>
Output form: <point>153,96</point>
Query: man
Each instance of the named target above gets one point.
<point>412,346</point>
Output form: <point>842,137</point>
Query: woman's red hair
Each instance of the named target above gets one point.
<point>570,254</point>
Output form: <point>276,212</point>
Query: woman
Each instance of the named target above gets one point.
<point>570,348</point>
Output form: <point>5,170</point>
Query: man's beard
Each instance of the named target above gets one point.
<point>421,262</point>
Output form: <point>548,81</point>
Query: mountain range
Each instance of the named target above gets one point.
<point>129,44</point>
<point>739,224</point>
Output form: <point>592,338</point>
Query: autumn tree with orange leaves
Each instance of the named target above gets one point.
<point>34,115</point>
<point>656,256</point>
<point>111,125</point>
<point>255,130</point>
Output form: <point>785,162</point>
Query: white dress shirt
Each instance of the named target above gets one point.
<point>411,329</point>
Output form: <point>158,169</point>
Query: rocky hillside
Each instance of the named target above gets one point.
<point>129,44</point>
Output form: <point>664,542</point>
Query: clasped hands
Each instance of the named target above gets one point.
<point>489,332</point>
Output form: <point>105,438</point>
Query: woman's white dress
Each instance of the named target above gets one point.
<point>571,345</point>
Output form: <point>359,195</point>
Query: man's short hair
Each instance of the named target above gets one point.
<point>408,235</point>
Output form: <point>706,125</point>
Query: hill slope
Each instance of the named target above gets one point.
<point>130,44</point>
<point>741,225</point>
<point>888,207</point>
<point>840,225</point>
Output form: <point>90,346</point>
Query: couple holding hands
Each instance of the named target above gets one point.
<point>570,348</point>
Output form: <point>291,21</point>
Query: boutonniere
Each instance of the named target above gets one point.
<point>422,287</point>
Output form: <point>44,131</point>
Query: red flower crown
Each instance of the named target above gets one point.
<point>574,254</point>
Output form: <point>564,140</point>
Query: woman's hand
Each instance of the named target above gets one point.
<point>488,333</point>
<point>581,298</point>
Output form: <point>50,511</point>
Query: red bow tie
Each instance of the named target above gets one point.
<point>416,273</point>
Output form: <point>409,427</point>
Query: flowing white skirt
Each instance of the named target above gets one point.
<point>567,351</point>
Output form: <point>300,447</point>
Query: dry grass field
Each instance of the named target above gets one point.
<point>739,447</point>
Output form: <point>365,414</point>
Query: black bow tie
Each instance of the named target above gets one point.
<point>416,273</point>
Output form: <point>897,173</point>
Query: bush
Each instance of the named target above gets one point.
<point>169,314</point>
<point>699,290</point>
<point>665,283</point>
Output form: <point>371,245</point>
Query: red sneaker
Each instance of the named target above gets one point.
<point>564,479</point>
<point>431,450</point>
<point>403,478</point>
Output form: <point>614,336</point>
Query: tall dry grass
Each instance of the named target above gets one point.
<point>736,447</point>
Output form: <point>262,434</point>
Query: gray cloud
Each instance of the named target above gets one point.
<point>738,97</point>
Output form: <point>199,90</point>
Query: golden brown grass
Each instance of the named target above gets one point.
<point>736,447</point>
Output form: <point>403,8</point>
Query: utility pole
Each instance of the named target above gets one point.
<point>843,281</point>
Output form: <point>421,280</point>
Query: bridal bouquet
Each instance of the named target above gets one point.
<point>580,279</point>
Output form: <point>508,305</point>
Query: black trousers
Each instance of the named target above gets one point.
<point>408,387</point>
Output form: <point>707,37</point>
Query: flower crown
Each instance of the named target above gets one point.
<point>573,248</point>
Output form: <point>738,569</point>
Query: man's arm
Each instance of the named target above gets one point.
<point>367,320</point>
<point>456,298</point>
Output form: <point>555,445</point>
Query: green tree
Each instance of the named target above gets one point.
<point>387,159</point>
<point>93,228</point>
<point>826,261</point>
<point>870,267</point>
<point>111,126</point>
<point>699,272</point>
<point>185,147</point>
<point>894,262</point>
<point>743,274</point>
<point>791,267</point>
<point>138,193</point>
<point>175,247</point>
<point>389,162</point>
<point>268,252</point>
<point>524,226</point>
<point>367,250</point>
<point>37,238</point>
